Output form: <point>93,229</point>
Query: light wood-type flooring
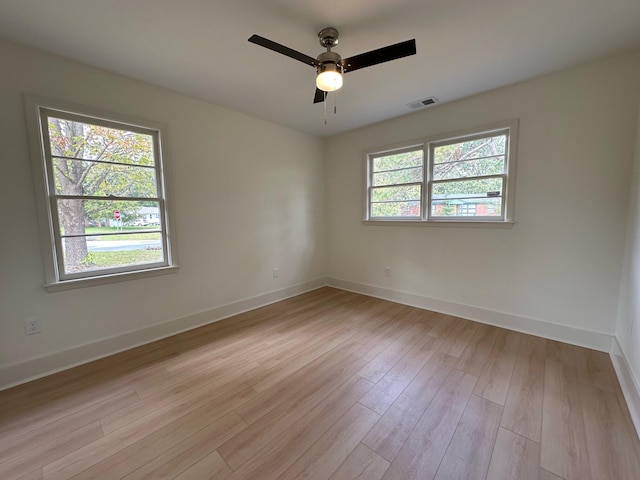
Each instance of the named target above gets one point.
<point>327,385</point>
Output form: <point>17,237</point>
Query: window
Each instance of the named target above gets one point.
<point>103,199</point>
<point>396,184</point>
<point>463,177</point>
<point>467,210</point>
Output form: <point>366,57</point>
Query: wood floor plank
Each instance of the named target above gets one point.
<point>383,362</point>
<point>38,457</point>
<point>35,475</point>
<point>514,458</point>
<point>94,453</point>
<point>17,442</point>
<point>334,366</point>
<point>596,369</point>
<point>494,381</point>
<point>269,462</point>
<point>611,452</point>
<point>457,338</point>
<point>190,396</point>
<point>35,414</point>
<point>420,456</point>
<point>326,455</point>
<point>563,448</point>
<point>126,460</point>
<point>546,475</point>
<point>397,423</point>
<point>563,353</point>
<point>361,464</point>
<point>316,350</point>
<point>212,467</point>
<point>389,333</point>
<point>189,451</point>
<point>385,392</point>
<point>443,325</point>
<point>469,453</point>
<point>271,426</point>
<point>523,406</point>
<point>475,356</point>
<point>195,377</point>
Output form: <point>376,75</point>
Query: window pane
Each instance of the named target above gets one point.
<point>486,187</point>
<point>469,168</point>
<point>80,217</point>
<point>94,142</point>
<point>478,207</point>
<point>79,177</point>
<point>397,160</point>
<point>396,209</point>
<point>390,194</point>
<point>483,147</point>
<point>405,175</point>
<point>100,252</point>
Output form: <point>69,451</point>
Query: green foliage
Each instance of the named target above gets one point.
<point>89,260</point>
<point>469,149</point>
<point>474,158</point>
<point>398,160</point>
<point>86,162</point>
<point>464,188</point>
<point>397,209</point>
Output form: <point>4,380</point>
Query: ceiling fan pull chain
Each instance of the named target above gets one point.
<point>325,107</point>
<point>335,100</point>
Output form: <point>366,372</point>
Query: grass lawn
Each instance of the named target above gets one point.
<point>125,257</point>
<point>97,231</point>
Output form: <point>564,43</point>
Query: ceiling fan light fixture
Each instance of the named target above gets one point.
<point>329,79</point>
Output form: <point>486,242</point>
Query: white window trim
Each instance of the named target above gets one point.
<point>49,241</point>
<point>427,145</point>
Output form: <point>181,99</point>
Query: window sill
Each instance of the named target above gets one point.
<point>441,223</point>
<point>105,279</point>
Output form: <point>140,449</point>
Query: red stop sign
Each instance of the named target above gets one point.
<point>116,214</point>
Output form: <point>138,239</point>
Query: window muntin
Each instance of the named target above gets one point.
<point>462,177</point>
<point>105,191</point>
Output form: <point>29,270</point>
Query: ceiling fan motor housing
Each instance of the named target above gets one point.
<point>328,37</point>
<point>329,60</point>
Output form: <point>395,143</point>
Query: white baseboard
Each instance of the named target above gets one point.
<point>22,372</point>
<point>628,383</point>
<point>576,336</point>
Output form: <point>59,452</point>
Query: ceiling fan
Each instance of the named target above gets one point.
<point>330,66</point>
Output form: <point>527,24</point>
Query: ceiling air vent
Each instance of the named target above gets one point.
<point>425,102</point>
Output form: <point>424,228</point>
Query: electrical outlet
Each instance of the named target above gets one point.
<point>31,326</point>
<point>387,271</point>
<point>275,272</point>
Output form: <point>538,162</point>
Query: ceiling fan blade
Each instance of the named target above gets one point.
<point>381,55</point>
<point>319,96</point>
<point>276,47</point>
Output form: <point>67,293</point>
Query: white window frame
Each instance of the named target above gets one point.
<point>38,110</point>
<point>510,127</point>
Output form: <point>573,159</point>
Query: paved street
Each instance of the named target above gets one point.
<point>112,245</point>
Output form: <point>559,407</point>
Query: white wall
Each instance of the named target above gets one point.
<point>248,196</point>
<point>628,327</point>
<point>561,261</point>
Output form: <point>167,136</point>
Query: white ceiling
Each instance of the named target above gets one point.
<point>200,48</point>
